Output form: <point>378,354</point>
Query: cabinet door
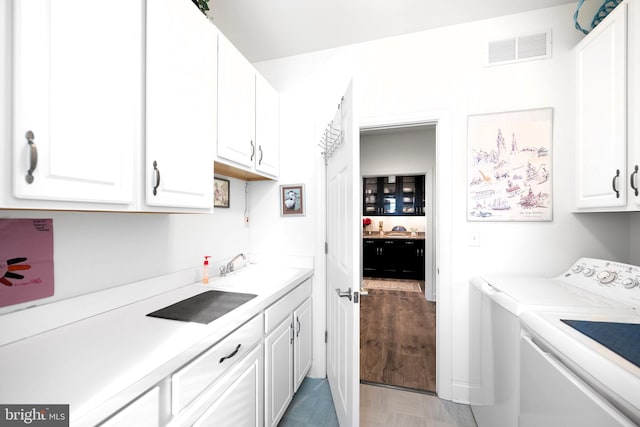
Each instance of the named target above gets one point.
<point>78,89</point>
<point>601,110</point>
<point>236,105</point>
<point>633,91</point>
<point>370,202</point>
<point>421,195</point>
<point>278,371</point>
<point>408,195</point>
<point>390,204</point>
<point>410,259</point>
<point>267,158</point>
<point>388,259</point>
<point>370,260</point>
<point>302,342</point>
<point>240,404</point>
<point>181,105</point>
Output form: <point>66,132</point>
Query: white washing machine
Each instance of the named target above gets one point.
<point>508,362</point>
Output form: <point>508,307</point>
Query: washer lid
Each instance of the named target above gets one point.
<point>602,368</point>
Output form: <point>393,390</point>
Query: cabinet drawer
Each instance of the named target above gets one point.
<point>285,305</point>
<point>194,378</point>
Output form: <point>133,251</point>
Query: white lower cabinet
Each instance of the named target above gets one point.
<point>191,381</point>
<point>237,400</point>
<point>302,342</point>
<point>246,379</point>
<point>287,350</point>
<point>278,363</point>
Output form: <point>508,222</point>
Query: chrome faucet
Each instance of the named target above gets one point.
<point>226,269</point>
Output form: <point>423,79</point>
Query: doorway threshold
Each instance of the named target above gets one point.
<point>395,387</point>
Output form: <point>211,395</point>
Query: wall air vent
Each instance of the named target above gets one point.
<point>519,48</point>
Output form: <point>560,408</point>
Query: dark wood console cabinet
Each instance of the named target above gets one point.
<point>393,258</point>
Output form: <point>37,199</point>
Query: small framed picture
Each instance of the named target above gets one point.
<point>292,200</point>
<point>220,193</point>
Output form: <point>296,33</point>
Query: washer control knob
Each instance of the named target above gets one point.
<point>588,272</point>
<point>630,283</point>
<point>576,268</point>
<point>605,277</point>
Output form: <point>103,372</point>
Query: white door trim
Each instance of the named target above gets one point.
<point>443,228</point>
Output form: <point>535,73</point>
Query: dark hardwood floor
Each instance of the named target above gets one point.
<point>398,339</point>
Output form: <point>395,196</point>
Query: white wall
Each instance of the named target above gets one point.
<point>443,70</point>
<point>398,152</point>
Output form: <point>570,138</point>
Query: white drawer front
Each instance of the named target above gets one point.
<point>285,305</point>
<point>193,379</point>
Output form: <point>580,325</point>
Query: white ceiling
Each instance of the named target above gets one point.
<point>269,29</point>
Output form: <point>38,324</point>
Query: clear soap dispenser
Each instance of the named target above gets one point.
<point>205,269</point>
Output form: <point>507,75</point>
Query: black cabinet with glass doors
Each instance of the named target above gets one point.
<point>393,195</point>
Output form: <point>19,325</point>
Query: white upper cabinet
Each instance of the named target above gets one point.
<point>633,104</point>
<point>181,105</point>
<point>236,106</point>
<point>267,159</point>
<point>248,116</point>
<point>607,93</point>
<point>77,79</point>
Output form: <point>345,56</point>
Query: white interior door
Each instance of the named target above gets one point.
<point>343,260</point>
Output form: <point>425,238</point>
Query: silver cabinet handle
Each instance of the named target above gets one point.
<point>261,154</point>
<point>291,332</point>
<point>614,183</point>
<point>156,178</point>
<point>253,149</point>
<point>33,156</point>
<point>632,180</point>
<point>299,327</point>
<point>344,294</point>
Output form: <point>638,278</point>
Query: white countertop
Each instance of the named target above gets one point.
<point>99,363</point>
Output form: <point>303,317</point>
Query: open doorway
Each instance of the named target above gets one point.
<point>398,318</point>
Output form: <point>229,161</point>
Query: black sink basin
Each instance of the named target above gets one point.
<point>203,308</point>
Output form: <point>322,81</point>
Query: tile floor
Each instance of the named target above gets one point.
<point>311,406</point>
<point>379,406</point>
